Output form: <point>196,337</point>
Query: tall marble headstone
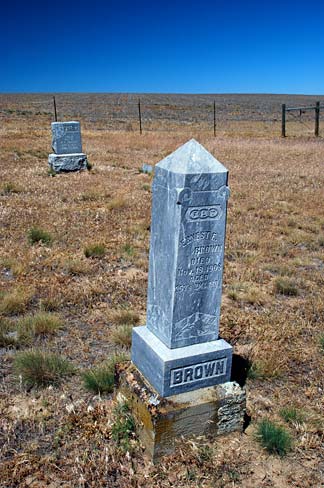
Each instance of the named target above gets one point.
<point>179,349</point>
<point>67,147</point>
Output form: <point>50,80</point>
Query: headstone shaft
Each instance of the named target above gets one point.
<point>187,247</point>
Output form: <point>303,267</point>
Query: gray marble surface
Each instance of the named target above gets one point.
<point>66,137</point>
<point>173,371</point>
<point>190,195</point>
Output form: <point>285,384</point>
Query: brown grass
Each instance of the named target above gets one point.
<point>275,231</point>
<point>15,302</point>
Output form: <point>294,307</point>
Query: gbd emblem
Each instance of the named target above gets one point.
<point>210,212</point>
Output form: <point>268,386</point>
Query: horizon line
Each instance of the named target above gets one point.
<point>153,93</point>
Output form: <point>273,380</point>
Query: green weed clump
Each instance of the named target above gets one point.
<point>36,235</point>
<point>40,368</point>
<point>254,372</point>
<point>292,415</point>
<point>40,324</point>
<point>100,379</point>
<point>123,428</point>
<point>95,251</point>
<point>274,438</point>
<point>51,172</point>
<point>321,343</point>
<point>128,249</point>
<point>286,286</point>
<point>89,165</point>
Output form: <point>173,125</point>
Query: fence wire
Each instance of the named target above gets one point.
<point>159,111</point>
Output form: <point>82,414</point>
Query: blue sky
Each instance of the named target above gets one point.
<point>170,46</point>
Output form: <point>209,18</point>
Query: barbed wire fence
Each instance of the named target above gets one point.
<point>146,113</point>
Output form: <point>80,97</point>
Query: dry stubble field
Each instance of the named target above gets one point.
<point>272,310</point>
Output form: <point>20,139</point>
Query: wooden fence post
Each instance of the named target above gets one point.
<point>214,118</point>
<point>317,116</point>
<point>140,115</point>
<point>283,121</point>
<point>55,112</point>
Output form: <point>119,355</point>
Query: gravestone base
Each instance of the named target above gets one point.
<point>67,162</point>
<point>212,411</point>
<point>184,368</point>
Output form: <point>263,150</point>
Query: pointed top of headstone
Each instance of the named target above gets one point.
<point>192,158</point>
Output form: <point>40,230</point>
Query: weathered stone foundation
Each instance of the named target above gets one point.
<point>212,411</point>
<point>67,162</point>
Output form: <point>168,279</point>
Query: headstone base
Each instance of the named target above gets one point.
<point>211,411</point>
<point>67,162</point>
<point>173,371</point>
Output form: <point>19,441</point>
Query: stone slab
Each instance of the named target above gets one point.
<point>173,371</point>
<point>161,423</point>
<point>67,162</point>
<point>66,137</point>
<point>189,208</point>
<point>147,168</point>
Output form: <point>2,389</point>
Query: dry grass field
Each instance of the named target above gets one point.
<point>73,278</point>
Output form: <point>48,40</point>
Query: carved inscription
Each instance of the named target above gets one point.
<point>67,138</point>
<point>198,372</point>
<point>203,265</point>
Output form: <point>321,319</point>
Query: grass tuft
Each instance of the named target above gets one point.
<point>292,414</point>
<point>9,188</point>
<point>274,438</point>
<point>100,379</point>
<point>321,343</point>
<point>128,249</point>
<point>123,316</point>
<point>40,324</point>
<point>117,203</point>
<point>123,428</point>
<point>286,286</point>
<point>6,333</point>
<point>36,235</point>
<point>122,335</point>
<point>39,368</point>
<point>95,251</point>
<point>51,172</point>
<point>15,302</point>
<point>76,266</point>
<point>254,372</point>
<point>89,165</point>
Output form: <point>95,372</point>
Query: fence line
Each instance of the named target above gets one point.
<point>121,111</point>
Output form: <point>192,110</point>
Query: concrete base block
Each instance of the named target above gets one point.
<point>210,411</point>
<point>67,162</point>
